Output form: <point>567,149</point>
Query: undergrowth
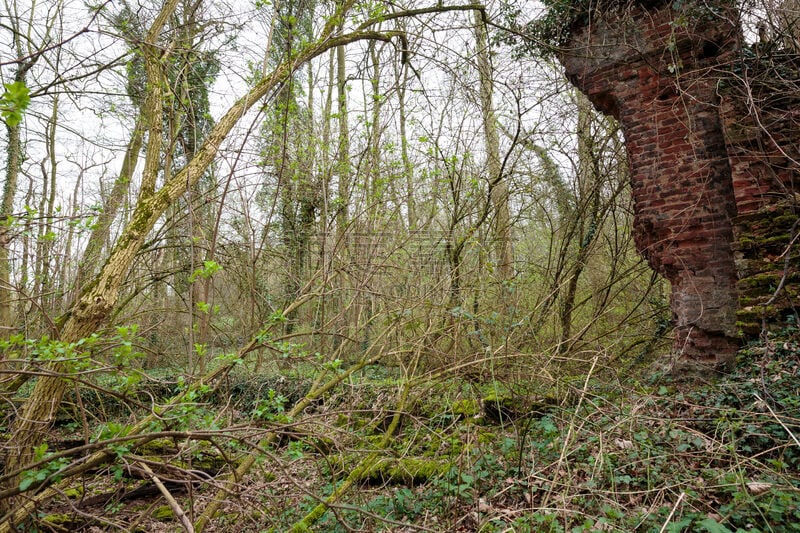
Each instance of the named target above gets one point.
<point>603,453</point>
<point>656,455</point>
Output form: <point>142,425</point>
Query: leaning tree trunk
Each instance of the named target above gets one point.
<point>98,299</point>
<point>94,248</point>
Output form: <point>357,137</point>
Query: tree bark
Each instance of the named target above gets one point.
<point>94,248</point>
<point>498,186</point>
<point>13,162</point>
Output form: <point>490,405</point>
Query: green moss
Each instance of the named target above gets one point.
<point>204,456</point>
<point>499,407</point>
<point>74,493</point>
<point>157,447</point>
<point>486,437</point>
<point>748,328</point>
<point>436,446</point>
<point>759,280</point>
<point>163,513</point>
<point>754,302</point>
<point>756,312</point>
<point>776,240</point>
<point>784,221</point>
<point>753,267</point>
<point>58,519</point>
<point>339,463</point>
<point>209,462</point>
<point>749,319</point>
<point>406,470</point>
<point>467,407</point>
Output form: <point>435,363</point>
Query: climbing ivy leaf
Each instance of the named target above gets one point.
<point>14,102</point>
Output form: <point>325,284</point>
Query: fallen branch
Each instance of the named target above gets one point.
<point>362,470</point>
<point>22,510</point>
<point>173,504</point>
<point>316,392</point>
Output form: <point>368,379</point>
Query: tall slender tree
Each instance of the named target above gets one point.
<point>498,184</point>
<point>27,56</point>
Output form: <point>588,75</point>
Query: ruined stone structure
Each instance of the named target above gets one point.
<point>712,167</point>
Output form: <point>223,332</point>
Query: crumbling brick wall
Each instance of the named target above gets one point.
<point>659,72</point>
<point>760,109</point>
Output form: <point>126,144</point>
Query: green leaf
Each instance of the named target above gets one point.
<point>712,526</point>
<point>14,102</point>
<point>208,269</point>
<point>26,482</point>
<point>40,451</point>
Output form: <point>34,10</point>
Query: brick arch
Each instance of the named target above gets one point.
<point>692,180</point>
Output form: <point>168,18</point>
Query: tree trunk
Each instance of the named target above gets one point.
<point>343,167</point>
<point>584,216</point>
<point>97,302</point>
<point>92,255</point>
<point>13,167</point>
<point>65,270</point>
<point>408,171</point>
<point>47,293</point>
<point>498,185</point>
<point>13,162</point>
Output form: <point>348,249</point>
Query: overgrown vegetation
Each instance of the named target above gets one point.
<point>595,451</point>
<point>334,266</point>
<point>546,35</point>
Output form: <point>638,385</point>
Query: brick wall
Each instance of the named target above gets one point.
<point>760,109</point>
<point>697,157</point>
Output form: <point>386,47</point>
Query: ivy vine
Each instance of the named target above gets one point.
<point>546,35</point>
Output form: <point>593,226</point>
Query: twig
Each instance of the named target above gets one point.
<point>672,512</point>
<point>796,441</point>
<point>176,508</point>
<point>567,440</point>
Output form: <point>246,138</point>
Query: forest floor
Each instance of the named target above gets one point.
<point>600,452</point>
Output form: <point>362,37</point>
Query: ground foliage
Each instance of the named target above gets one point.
<point>594,452</point>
